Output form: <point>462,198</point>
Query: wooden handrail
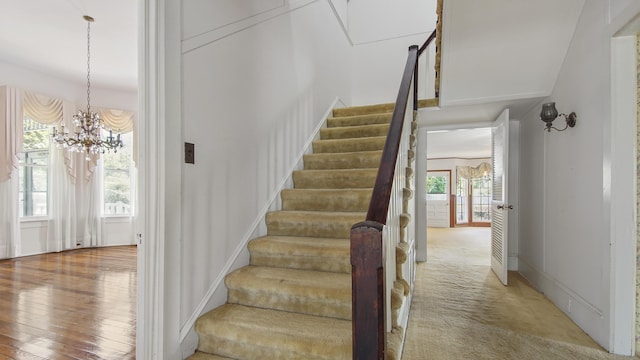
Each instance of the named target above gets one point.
<point>427,42</point>
<point>367,254</point>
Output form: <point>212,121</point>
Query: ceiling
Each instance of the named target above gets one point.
<point>499,54</point>
<point>50,36</point>
<point>466,144</point>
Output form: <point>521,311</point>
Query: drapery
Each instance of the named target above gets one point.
<point>470,172</point>
<point>11,139</point>
<point>62,230</point>
<point>121,121</point>
<point>43,109</point>
<point>11,115</point>
<point>9,218</point>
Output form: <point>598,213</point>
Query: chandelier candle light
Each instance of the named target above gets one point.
<point>87,137</point>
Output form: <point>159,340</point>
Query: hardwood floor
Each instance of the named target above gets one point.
<point>79,304</point>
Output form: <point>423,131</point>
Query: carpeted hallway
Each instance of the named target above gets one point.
<point>460,309</point>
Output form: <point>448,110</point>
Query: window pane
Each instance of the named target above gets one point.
<point>481,199</point>
<point>462,207</point>
<point>437,188</point>
<point>34,169</point>
<point>117,178</point>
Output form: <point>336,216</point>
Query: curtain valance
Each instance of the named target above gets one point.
<point>469,172</point>
<point>11,115</point>
<point>118,120</point>
<point>43,109</point>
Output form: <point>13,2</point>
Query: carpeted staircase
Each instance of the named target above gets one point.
<point>294,299</point>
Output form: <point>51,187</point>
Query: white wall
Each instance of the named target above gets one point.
<point>382,32</point>
<point>565,180</point>
<point>378,20</point>
<point>75,91</point>
<point>252,97</point>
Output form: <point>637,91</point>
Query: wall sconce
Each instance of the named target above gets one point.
<point>549,113</point>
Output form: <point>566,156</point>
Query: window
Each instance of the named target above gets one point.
<point>34,169</point>
<point>462,205</point>
<point>117,181</point>
<point>481,199</point>
<point>437,188</point>
<point>473,201</point>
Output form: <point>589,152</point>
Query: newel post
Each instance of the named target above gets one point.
<point>368,291</point>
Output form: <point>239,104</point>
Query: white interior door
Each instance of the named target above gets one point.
<point>438,195</point>
<point>499,203</point>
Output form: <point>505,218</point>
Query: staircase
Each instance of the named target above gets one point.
<point>294,299</point>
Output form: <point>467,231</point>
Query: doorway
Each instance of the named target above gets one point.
<point>463,156</point>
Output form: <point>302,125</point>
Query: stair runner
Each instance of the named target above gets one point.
<point>294,299</point>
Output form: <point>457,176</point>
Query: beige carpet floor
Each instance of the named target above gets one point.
<point>461,311</point>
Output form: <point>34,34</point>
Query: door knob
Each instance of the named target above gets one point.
<point>502,207</point>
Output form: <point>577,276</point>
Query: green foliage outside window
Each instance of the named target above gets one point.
<point>436,185</point>
<point>117,179</point>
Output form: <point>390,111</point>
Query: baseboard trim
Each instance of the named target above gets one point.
<point>217,291</point>
<point>587,316</point>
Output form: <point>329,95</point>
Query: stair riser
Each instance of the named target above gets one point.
<point>334,179</point>
<point>317,263</point>
<point>354,200</point>
<point>318,228</point>
<point>305,292</point>
<point>364,110</point>
<point>352,132</point>
<point>349,145</point>
<point>333,308</point>
<point>331,255</point>
<point>365,160</point>
<point>241,332</point>
<point>359,120</point>
<point>239,349</point>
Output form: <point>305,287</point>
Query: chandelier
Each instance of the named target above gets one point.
<point>87,137</point>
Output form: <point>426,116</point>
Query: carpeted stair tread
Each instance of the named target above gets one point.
<point>245,332</point>
<point>359,120</point>
<point>335,179</point>
<point>307,253</point>
<point>364,110</point>
<point>379,108</point>
<point>302,291</point>
<point>312,223</point>
<point>349,145</point>
<point>351,132</point>
<point>427,103</point>
<point>326,199</point>
<point>351,160</point>
<point>204,356</point>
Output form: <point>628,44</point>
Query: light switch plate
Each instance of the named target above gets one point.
<point>189,153</point>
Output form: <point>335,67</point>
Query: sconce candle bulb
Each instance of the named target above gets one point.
<point>549,113</point>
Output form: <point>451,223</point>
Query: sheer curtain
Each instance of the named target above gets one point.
<point>124,122</point>
<point>62,230</point>
<point>11,115</point>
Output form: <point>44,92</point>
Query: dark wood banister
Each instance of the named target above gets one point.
<point>379,204</point>
<point>367,255</point>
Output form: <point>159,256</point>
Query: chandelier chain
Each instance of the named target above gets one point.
<point>88,66</point>
<point>87,137</point>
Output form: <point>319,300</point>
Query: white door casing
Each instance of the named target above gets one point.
<point>499,202</point>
